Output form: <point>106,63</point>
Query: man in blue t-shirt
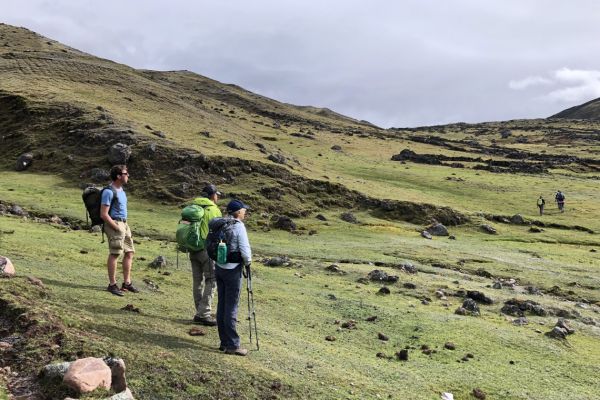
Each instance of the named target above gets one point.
<point>114,213</point>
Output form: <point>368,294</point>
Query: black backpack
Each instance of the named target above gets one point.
<point>560,196</point>
<point>219,229</point>
<point>92,198</point>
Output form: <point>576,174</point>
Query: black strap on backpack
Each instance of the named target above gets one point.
<point>112,204</point>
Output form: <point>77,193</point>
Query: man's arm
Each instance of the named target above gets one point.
<point>106,217</point>
<point>244,246</point>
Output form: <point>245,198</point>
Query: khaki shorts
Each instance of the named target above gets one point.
<point>119,241</point>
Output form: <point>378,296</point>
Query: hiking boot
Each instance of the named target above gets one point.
<point>238,352</point>
<point>205,321</point>
<point>114,289</point>
<point>128,287</point>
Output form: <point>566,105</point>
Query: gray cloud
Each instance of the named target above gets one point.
<point>394,63</point>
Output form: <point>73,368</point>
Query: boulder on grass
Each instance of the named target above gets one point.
<point>24,161</point>
<point>6,267</point>
<point>88,374</point>
<point>438,229</point>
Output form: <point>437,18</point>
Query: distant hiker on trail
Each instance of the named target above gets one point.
<point>560,201</point>
<point>113,211</point>
<point>228,245</point>
<point>541,203</point>
<point>203,268</point>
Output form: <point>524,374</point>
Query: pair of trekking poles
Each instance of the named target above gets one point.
<point>247,272</point>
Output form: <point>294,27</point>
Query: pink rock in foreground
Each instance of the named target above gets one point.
<point>87,374</point>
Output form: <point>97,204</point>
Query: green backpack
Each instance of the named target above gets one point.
<point>188,229</point>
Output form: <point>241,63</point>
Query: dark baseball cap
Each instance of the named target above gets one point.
<point>235,205</point>
<point>210,189</point>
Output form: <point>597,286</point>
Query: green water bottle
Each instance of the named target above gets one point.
<point>222,253</point>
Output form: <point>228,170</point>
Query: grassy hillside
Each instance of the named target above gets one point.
<point>68,108</point>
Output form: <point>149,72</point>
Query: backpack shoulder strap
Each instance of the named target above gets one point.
<point>114,200</point>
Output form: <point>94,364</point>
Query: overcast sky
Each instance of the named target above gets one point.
<point>394,63</point>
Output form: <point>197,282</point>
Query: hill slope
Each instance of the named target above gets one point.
<point>588,111</point>
<point>68,109</point>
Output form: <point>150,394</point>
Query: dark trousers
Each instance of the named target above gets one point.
<point>229,284</point>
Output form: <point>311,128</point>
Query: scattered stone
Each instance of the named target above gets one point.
<point>535,229</point>
<point>383,337</point>
<point>349,217</point>
<point>382,355</point>
<point>95,229</point>
<point>469,307</point>
<point>336,147</point>
<point>131,308</point>
<point>409,285</point>
<point>119,153</point>
<point>371,318</point>
<point>440,294</point>
<point>452,237</point>
<point>150,284</point>
<point>124,395</point>
<point>488,229</point>
<point>283,222</point>
<point>231,144</point>
<point>197,331</point>
<point>517,219</point>
<point>55,371</point>
<point>99,175</point>
<point>36,281</point>
<point>24,161</point>
<point>16,210</point>
<point>6,267</point>
<point>561,323</point>
<point>484,273</point>
<point>159,262</point>
<point>87,374</point>
<point>520,321</point>
<point>425,302</point>
<point>479,394</point>
<point>557,333</point>
<point>438,229</point>
<point>402,355</point>
<point>350,324</point>
<point>160,134</point>
<point>276,261</point>
<point>533,290</point>
<point>479,297</point>
<point>277,158</point>
<point>518,308</point>
<point>117,368</point>
<point>321,217</point>
<point>380,276</point>
<point>449,346</point>
<point>497,285</point>
<point>593,250</point>
<point>426,235</point>
<point>447,396</point>
<point>384,290</point>
<point>330,338</point>
<point>407,267</point>
<point>335,269</point>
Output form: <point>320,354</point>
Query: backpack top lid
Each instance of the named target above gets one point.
<point>192,213</point>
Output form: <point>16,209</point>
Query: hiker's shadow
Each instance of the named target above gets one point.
<point>72,285</point>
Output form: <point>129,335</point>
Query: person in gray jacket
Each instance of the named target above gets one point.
<point>229,281</point>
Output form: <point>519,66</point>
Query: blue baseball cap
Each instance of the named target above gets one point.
<point>235,205</point>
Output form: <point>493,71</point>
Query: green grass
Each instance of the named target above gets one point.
<point>295,312</point>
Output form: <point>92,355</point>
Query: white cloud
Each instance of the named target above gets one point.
<point>573,85</point>
<point>529,81</point>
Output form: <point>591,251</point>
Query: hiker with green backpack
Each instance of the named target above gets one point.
<point>191,234</point>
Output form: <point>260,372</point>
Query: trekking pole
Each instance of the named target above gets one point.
<point>251,310</point>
